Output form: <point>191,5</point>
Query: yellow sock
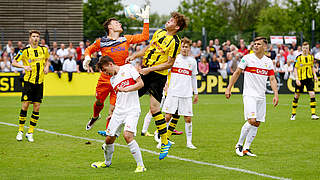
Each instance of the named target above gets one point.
<point>161,126</point>
<point>22,119</point>
<point>313,105</point>
<point>33,121</point>
<point>173,124</point>
<point>294,106</point>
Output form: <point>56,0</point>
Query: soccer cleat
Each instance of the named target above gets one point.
<point>293,117</point>
<point>140,169</point>
<point>99,164</point>
<point>102,133</point>
<point>19,136</point>
<point>91,122</point>
<point>248,153</point>
<point>29,137</point>
<point>239,149</point>
<point>175,132</point>
<point>164,150</point>
<point>191,146</point>
<point>314,117</point>
<point>146,134</point>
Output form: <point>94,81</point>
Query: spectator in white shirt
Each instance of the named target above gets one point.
<point>70,66</point>
<point>9,46</point>
<point>289,70</point>
<point>298,51</point>
<point>62,53</point>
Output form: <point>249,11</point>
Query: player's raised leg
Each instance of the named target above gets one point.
<point>146,123</point>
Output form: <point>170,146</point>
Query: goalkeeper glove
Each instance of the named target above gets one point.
<point>145,14</point>
<point>86,62</point>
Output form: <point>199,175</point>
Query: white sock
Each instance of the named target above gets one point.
<point>244,132</point>
<point>146,122</point>
<point>108,152</point>
<point>136,153</point>
<point>188,129</point>
<point>251,135</point>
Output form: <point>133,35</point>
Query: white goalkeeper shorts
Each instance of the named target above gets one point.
<point>182,104</point>
<point>254,108</point>
<point>127,120</point>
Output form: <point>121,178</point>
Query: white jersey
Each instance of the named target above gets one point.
<point>182,70</point>
<point>256,73</point>
<point>126,101</point>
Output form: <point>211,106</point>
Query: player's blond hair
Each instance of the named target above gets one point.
<point>305,43</point>
<point>34,31</point>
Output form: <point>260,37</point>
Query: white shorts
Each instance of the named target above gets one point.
<point>254,108</point>
<point>182,104</point>
<point>129,120</point>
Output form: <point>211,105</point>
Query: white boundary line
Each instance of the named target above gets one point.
<point>169,156</point>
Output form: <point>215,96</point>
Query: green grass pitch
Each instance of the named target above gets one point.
<point>288,149</point>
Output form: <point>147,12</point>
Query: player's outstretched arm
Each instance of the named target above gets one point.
<point>167,65</point>
<point>274,87</point>
<point>94,47</point>
<point>137,54</point>
<point>232,81</point>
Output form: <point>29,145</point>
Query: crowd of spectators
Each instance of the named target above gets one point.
<point>215,58</point>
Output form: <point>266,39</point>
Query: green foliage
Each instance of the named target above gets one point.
<point>302,13</point>
<point>274,20</point>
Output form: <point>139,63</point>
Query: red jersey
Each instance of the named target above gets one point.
<point>116,49</point>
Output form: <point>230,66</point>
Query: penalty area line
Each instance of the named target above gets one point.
<point>156,153</point>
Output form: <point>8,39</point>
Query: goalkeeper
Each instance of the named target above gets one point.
<point>115,46</point>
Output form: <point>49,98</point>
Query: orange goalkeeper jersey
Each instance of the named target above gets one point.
<point>116,49</point>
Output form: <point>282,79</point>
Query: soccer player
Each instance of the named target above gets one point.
<point>125,81</point>
<point>257,68</point>
<point>35,63</point>
<point>116,47</point>
<point>159,56</point>
<point>305,75</point>
<point>182,86</point>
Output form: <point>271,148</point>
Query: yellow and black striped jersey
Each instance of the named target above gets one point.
<point>36,59</point>
<point>304,66</point>
<point>162,46</point>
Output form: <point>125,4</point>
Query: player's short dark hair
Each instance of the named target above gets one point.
<point>33,31</point>
<point>261,38</point>
<point>107,23</point>
<point>186,40</point>
<point>182,20</point>
<point>305,43</point>
<point>103,60</point>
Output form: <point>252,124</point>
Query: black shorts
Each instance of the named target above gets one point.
<point>154,84</point>
<point>309,83</point>
<point>32,92</point>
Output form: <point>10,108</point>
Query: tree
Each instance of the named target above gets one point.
<point>274,20</point>
<point>302,13</point>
